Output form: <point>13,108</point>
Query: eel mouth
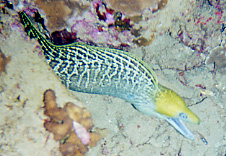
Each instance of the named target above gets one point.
<point>180,127</point>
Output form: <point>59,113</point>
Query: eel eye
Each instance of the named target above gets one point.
<point>183,116</point>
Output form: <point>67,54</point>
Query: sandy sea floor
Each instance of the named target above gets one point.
<point>126,131</point>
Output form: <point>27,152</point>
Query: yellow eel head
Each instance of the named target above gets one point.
<point>171,107</point>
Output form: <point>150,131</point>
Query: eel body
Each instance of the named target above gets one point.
<point>98,70</point>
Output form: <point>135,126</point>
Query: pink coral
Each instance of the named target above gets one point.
<point>81,132</point>
<point>88,31</point>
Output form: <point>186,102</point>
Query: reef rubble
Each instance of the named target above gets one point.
<point>70,125</point>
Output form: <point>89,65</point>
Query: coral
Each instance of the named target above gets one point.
<point>60,124</point>
<point>3,62</point>
<point>89,31</point>
<point>82,116</point>
<point>97,24</point>
<point>57,12</point>
<point>70,125</point>
<point>103,25</point>
<point>131,7</point>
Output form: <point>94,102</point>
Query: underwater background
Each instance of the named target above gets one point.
<point>183,41</point>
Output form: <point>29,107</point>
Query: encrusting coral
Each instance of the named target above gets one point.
<point>70,125</point>
<point>131,7</point>
<point>135,7</point>
<point>58,12</point>
<point>3,62</point>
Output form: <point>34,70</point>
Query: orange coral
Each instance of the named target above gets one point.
<point>61,124</point>
<point>80,115</point>
<point>135,7</point>
<point>57,12</point>
<point>131,7</point>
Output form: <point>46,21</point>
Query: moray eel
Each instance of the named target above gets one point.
<point>98,70</point>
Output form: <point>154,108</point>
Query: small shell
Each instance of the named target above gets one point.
<point>206,92</point>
